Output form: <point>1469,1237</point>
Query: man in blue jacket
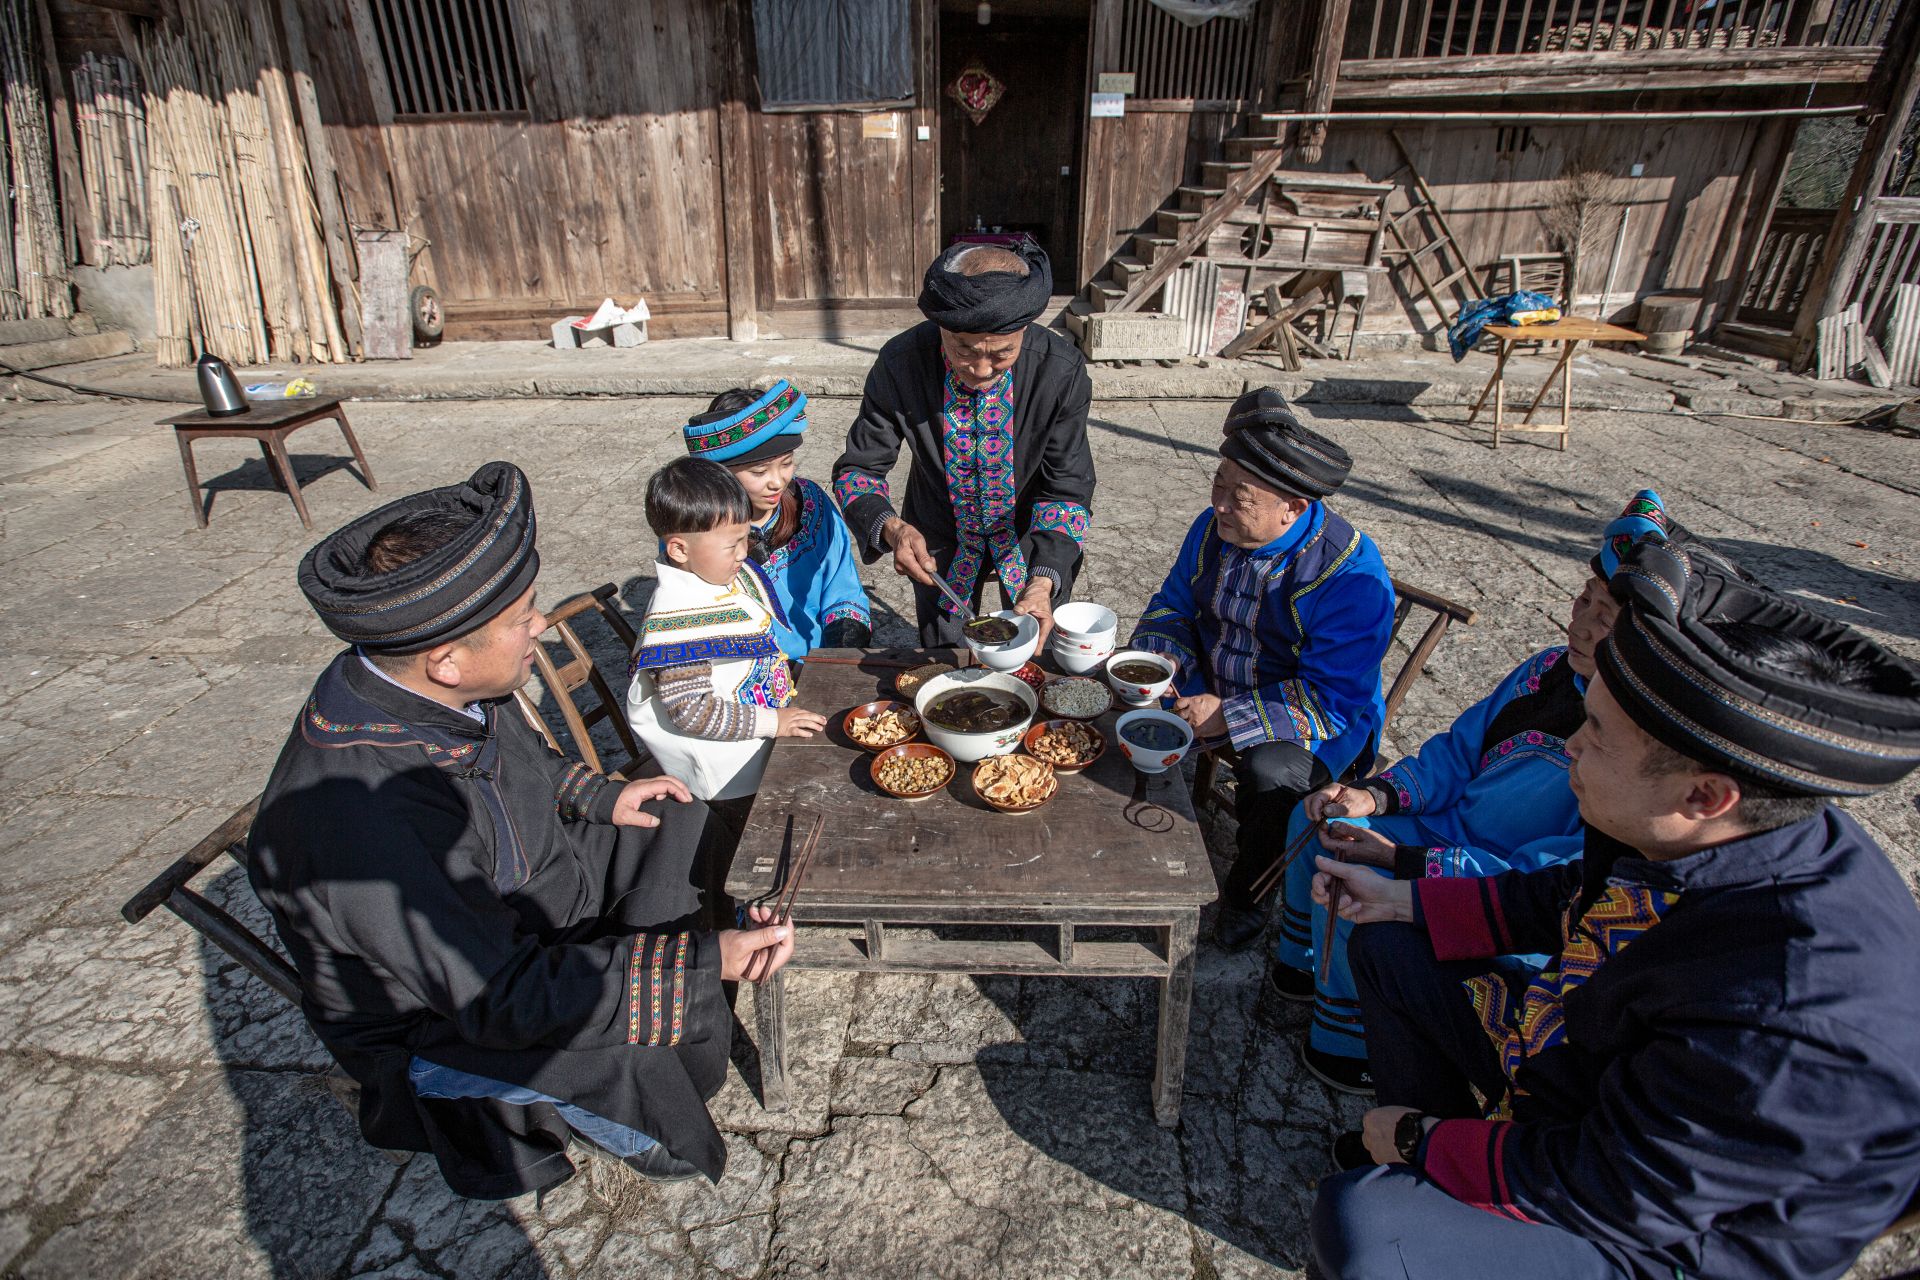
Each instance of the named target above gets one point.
<point>1718,1073</point>
<point>1277,613</point>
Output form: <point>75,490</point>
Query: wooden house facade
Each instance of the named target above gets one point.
<point>541,155</point>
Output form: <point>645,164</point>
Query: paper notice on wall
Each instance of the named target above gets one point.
<point>1115,82</point>
<point>1109,105</point>
<point>881,125</point>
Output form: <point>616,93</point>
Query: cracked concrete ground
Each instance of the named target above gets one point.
<point>163,1114</point>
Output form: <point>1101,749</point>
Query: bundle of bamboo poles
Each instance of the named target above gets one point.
<point>33,276</point>
<point>226,158</point>
<point>113,158</point>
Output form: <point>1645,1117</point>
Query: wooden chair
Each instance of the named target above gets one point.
<point>173,888</point>
<point>1445,614</point>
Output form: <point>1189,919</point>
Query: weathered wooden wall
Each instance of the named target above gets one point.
<point>838,208</point>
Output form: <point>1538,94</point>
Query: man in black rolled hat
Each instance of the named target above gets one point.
<point>1277,613</point>
<point>993,408</point>
<point>1718,1072</point>
<point>498,945</point>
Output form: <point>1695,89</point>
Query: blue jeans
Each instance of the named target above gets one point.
<point>431,1080</point>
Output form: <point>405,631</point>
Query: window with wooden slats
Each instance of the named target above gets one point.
<point>1217,61</point>
<point>449,57</point>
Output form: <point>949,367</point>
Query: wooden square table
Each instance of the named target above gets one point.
<point>269,422</point>
<point>1111,848</point>
<point>1569,333</point>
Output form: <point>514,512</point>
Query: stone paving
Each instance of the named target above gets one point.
<point>163,1114</point>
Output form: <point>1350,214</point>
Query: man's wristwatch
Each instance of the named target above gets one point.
<point>1407,1132</point>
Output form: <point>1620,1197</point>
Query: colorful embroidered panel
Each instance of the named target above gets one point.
<point>977,454</point>
<point>1533,744</point>
<point>657,994</point>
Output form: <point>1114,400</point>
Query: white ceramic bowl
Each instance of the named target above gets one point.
<point>1012,655</point>
<point>1077,661</point>
<point>966,747</point>
<point>1084,625</point>
<point>1153,761</point>
<point>1139,695</point>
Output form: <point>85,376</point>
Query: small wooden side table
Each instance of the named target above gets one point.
<point>1569,333</point>
<point>269,422</point>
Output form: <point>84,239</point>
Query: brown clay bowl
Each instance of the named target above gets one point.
<point>1033,735</point>
<point>868,709</point>
<point>1013,808</point>
<point>911,751</point>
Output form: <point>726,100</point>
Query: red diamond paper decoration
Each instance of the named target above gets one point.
<point>976,89</point>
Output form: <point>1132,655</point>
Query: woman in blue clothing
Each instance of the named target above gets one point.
<point>798,538</point>
<point>1489,794</point>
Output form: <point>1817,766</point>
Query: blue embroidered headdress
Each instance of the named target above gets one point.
<point>772,425</point>
<point>1645,514</point>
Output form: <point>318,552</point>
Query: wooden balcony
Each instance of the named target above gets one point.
<point>1456,48</point>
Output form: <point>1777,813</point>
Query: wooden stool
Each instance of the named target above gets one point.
<point>269,422</point>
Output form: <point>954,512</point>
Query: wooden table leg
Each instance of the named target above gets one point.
<point>193,477</point>
<point>1566,397</point>
<point>770,1017</point>
<point>1499,368</point>
<point>277,454</point>
<point>1176,1010</point>
<point>1566,364</point>
<point>1499,410</point>
<point>366,472</point>
<point>273,468</point>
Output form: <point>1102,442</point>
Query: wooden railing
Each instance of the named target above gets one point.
<point>1379,30</point>
<point>1788,255</point>
<point>1892,257</point>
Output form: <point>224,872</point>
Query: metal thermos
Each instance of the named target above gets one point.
<point>219,388</point>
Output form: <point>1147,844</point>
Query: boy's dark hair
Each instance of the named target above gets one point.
<point>733,401</point>
<point>693,495</point>
<point>398,545</point>
<point>1763,806</point>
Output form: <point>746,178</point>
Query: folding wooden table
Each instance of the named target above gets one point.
<point>1569,333</point>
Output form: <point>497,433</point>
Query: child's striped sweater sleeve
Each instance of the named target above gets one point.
<point>687,693</point>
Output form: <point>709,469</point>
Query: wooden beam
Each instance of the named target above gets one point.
<point>326,182</point>
<point>1893,89</point>
<point>1244,185</point>
<point>76,218</point>
<point>1323,74</point>
<point>740,187</point>
<point>1498,74</point>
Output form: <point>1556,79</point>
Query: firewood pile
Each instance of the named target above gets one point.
<point>33,258</point>
<point>112,120</point>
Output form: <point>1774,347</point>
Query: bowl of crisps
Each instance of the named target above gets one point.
<point>1067,745</point>
<point>879,725</point>
<point>1015,784</point>
<point>912,770</point>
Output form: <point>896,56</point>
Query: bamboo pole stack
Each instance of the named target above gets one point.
<point>225,148</point>
<point>34,277</point>
<point>113,158</point>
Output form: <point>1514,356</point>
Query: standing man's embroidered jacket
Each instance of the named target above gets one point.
<point>1718,1074</point>
<point>1290,635</point>
<point>453,889</point>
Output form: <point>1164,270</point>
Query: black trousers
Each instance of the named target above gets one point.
<point>1424,1044</point>
<point>1269,780</point>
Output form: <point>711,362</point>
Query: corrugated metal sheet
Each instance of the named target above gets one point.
<point>816,52</point>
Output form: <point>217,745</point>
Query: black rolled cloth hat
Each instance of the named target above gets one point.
<point>1265,437</point>
<point>442,595</point>
<point>1670,665</point>
<point>991,302</point>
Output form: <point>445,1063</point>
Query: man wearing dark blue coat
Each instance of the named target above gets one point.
<point>1718,1073</point>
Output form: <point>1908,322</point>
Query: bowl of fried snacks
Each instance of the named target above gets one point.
<point>1015,784</point>
<point>908,683</point>
<point>912,770</point>
<point>1067,745</point>
<point>879,725</point>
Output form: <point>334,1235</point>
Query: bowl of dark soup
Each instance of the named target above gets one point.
<point>1002,641</point>
<point>1139,677</point>
<point>975,713</point>
<point>1152,740</point>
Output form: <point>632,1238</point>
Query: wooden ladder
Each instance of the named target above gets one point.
<point>1406,224</point>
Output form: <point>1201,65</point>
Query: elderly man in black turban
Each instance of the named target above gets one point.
<point>1718,1071</point>
<point>500,947</point>
<point>993,408</point>
<point>1277,613</point>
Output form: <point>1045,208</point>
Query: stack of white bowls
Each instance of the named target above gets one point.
<point>1083,635</point>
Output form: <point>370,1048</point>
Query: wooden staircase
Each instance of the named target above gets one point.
<point>1261,224</point>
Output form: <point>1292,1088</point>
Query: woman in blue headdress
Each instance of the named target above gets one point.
<point>799,539</point>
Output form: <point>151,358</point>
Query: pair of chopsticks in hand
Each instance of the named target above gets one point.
<point>1266,883</point>
<point>785,890</point>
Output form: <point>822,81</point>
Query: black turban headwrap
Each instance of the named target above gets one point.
<point>1265,437</point>
<point>444,594</point>
<point>991,302</point>
<point>1683,683</point>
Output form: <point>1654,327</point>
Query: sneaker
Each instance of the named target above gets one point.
<point>1290,983</point>
<point>1348,1075</point>
<point>1350,1152</point>
<point>1237,928</point>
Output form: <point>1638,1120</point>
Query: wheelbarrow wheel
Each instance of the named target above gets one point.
<point>429,322</point>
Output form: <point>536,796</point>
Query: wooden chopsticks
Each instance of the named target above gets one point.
<point>783,905</point>
<point>1334,892</point>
